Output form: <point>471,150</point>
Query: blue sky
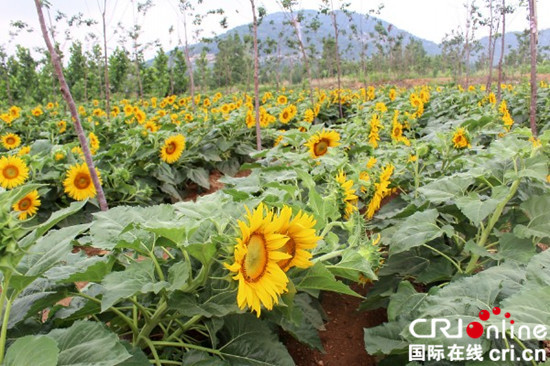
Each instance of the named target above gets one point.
<point>428,19</point>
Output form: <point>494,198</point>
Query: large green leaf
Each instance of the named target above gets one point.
<point>319,277</point>
<point>536,209</point>
<point>476,209</point>
<point>32,350</point>
<point>249,341</point>
<point>385,338</point>
<point>446,188</point>
<point>137,277</point>
<point>199,176</point>
<point>416,230</point>
<point>88,344</point>
<point>351,265</point>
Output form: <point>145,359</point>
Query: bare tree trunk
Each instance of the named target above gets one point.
<point>106,66</point>
<point>65,91</point>
<point>339,73</point>
<point>8,89</point>
<point>489,48</point>
<point>256,80</point>
<point>533,45</point>
<point>188,60</point>
<point>298,32</point>
<point>499,88</point>
<point>467,45</point>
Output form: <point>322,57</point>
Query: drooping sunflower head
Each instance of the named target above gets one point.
<point>257,254</point>
<point>172,149</point>
<point>301,238</point>
<point>13,171</point>
<point>461,139</point>
<point>347,193</point>
<point>319,143</point>
<point>11,141</point>
<point>28,205</point>
<point>78,183</point>
<point>94,142</point>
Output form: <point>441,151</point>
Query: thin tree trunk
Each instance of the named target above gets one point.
<point>502,41</point>
<point>8,89</point>
<point>65,91</point>
<point>256,79</point>
<point>106,66</point>
<point>337,56</point>
<point>489,48</point>
<point>295,24</point>
<point>467,46</point>
<point>533,45</point>
<point>188,60</point>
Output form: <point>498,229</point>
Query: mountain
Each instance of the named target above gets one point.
<point>512,42</point>
<point>276,27</point>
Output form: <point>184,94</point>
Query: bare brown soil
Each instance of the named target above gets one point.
<point>215,185</point>
<point>343,337</point>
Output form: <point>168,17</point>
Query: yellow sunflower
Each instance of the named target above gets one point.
<point>13,171</point>
<point>62,126</point>
<point>24,150</point>
<point>15,112</point>
<point>28,205</point>
<point>285,116</point>
<point>94,143</point>
<point>461,139</point>
<point>319,143</point>
<point>281,99</point>
<point>348,194</point>
<point>257,255</point>
<point>301,238</point>
<point>11,141</point>
<point>172,149</point>
<point>37,112</point>
<point>78,184</point>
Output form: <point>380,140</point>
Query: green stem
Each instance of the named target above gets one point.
<point>153,322</point>
<point>4,331</point>
<point>454,263</point>
<point>188,324</point>
<point>166,362</point>
<point>153,351</point>
<point>326,257</point>
<point>186,345</point>
<point>492,222</point>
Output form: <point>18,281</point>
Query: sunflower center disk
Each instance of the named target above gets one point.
<point>82,181</point>
<point>10,172</point>
<point>24,204</point>
<point>255,261</point>
<point>321,148</point>
<point>171,148</point>
<point>290,249</point>
<point>10,141</point>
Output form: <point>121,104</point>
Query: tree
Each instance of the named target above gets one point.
<point>76,71</point>
<point>179,67</point>
<point>119,63</point>
<point>533,45</point>
<point>161,75</point>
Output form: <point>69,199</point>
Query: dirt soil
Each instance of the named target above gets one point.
<point>343,337</point>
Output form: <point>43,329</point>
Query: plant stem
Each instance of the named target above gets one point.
<point>153,322</point>
<point>4,331</point>
<point>328,256</point>
<point>454,263</point>
<point>492,222</point>
<point>153,351</point>
<point>186,345</point>
<point>184,327</point>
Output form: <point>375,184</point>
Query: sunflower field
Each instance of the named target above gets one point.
<point>435,197</point>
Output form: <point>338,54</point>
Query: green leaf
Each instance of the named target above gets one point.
<point>385,339</point>
<point>536,168</point>
<point>88,344</point>
<point>475,209</point>
<point>199,176</point>
<point>404,301</point>
<point>189,304</point>
<point>446,188</point>
<point>123,284</point>
<point>178,274</point>
<point>32,350</point>
<point>319,277</point>
<point>80,267</point>
<point>351,265</point>
<point>199,358</point>
<point>54,219</point>
<point>202,252</point>
<point>416,230</point>
<point>536,209</point>
<point>249,341</point>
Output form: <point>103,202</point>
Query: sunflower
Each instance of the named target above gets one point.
<point>62,126</point>
<point>15,112</point>
<point>348,193</point>
<point>24,150</point>
<point>94,143</point>
<point>152,126</point>
<point>284,117</point>
<point>13,171</point>
<point>319,143</point>
<point>282,100</point>
<point>257,254</point>
<point>301,237</point>
<point>172,149</point>
<point>11,141</point>
<point>37,112</point>
<point>60,155</point>
<point>309,115</point>
<point>78,184</point>
<point>28,205</point>
<point>461,139</point>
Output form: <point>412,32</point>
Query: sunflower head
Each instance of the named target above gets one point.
<point>78,183</point>
<point>348,195</point>
<point>172,149</point>
<point>13,171</point>
<point>257,254</point>
<point>11,141</point>
<point>28,205</point>
<point>461,139</point>
<point>319,143</point>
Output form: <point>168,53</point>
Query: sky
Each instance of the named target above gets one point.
<point>428,19</point>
